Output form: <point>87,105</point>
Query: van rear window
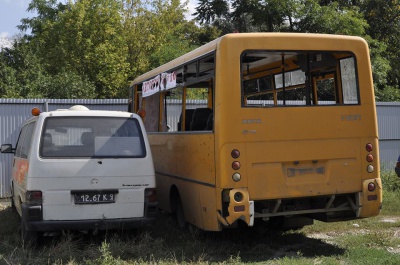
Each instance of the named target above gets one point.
<point>75,137</point>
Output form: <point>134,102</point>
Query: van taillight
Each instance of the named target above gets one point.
<point>150,195</point>
<point>34,197</point>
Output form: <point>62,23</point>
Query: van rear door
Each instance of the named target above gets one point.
<point>92,168</point>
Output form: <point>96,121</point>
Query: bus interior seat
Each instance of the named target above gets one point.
<point>189,115</point>
<point>210,120</point>
<point>199,119</point>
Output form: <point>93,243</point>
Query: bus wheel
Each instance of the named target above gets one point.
<point>29,238</point>
<point>180,216</point>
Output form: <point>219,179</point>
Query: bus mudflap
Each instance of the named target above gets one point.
<point>239,207</point>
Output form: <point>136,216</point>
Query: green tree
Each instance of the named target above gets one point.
<point>383,17</point>
<point>159,34</point>
<point>22,75</point>
<point>82,38</point>
<point>101,43</point>
<point>283,15</point>
<point>378,21</point>
<point>332,19</point>
<point>8,80</point>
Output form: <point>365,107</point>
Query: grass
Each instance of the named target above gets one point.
<point>367,241</point>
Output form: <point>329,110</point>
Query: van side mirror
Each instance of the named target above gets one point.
<point>7,148</point>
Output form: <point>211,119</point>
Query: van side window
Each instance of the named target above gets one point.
<point>25,140</point>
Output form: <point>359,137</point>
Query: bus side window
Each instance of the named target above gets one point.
<point>199,119</point>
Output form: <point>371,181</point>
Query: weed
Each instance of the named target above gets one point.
<point>364,241</point>
<point>390,181</point>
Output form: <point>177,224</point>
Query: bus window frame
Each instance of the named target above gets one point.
<point>199,76</point>
<point>310,101</point>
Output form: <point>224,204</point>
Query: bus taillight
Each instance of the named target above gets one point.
<point>238,197</point>
<point>369,147</point>
<point>235,153</point>
<point>371,186</point>
<point>370,158</point>
<point>236,177</point>
<point>239,208</point>
<point>236,165</point>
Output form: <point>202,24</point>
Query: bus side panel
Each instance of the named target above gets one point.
<point>194,178</point>
<point>171,153</point>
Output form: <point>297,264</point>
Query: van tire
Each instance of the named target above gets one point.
<point>13,209</point>
<point>29,238</point>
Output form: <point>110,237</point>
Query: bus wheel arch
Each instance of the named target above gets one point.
<point>177,207</point>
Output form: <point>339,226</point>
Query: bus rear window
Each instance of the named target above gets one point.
<point>298,78</point>
<point>115,137</point>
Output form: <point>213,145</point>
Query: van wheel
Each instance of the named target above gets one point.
<point>29,238</point>
<point>180,216</point>
<point>13,209</point>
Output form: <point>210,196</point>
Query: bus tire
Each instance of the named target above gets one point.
<point>180,215</point>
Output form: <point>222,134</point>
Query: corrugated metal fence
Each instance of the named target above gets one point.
<point>388,114</point>
<point>14,111</point>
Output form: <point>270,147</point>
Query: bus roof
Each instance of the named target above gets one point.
<point>211,46</point>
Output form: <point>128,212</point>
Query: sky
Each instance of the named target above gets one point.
<point>12,11</point>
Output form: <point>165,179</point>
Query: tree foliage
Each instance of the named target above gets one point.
<point>100,45</point>
<point>378,21</point>
<point>94,48</point>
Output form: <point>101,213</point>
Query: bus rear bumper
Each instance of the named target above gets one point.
<point>370,199</point>
<point>327,208</point>
<point>240,207</point>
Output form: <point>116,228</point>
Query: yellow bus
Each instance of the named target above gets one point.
<point>287,132</point>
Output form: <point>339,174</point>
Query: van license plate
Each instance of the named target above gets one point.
<point>87,198</point>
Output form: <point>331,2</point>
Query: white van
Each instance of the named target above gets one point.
<point>79,169</point>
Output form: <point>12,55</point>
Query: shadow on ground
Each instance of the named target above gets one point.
<point>162,243</point>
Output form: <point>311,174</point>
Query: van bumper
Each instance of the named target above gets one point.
<point>44,226</point>
<point>32,218</point>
